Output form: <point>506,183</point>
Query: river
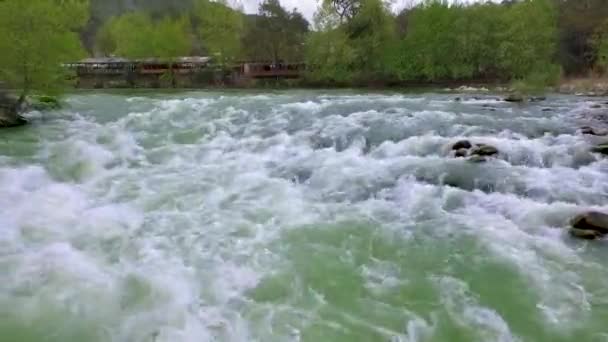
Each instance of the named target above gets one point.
<point>300,216</point>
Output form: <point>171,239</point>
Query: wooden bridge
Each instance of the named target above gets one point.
<point>272,70</point>
<point>183,72</point>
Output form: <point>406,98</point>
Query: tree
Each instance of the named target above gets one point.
<point>600,44</point>
<point>36,38</point>
<point>136,35</point>
<point>427,52</point>
<point>220,29</point>
<point>360,49</point>
<point>329,56</point>
<point>528,42</point>
<point>373,38</point>
<point>344,9</point>
<point>276,34</point>
<point>578,21</point>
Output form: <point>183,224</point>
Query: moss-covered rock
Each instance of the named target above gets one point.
<point>44,102</point>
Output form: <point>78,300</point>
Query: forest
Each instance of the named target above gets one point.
<point>349,42</point>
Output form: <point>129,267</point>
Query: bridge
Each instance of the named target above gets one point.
<point>182,72</point>
<point>272,70</point>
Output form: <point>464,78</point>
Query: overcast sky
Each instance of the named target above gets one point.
<point>307,7</point>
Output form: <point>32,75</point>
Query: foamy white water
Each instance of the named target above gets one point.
<point>300,216</point>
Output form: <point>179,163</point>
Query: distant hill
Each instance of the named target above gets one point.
<point>102,10</point>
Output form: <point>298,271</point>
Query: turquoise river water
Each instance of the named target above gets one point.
<point>300,216</point>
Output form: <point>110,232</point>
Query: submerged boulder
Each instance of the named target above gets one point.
<point>590,225</point>
<point>476,153</point>
<point>587,130</point>
<point>462,144</point>
<point>477,159</point>
<point>537,98</point>
<point>602,148</point>
<point>585,234</point>
<point>461,153</point>
<point>514,98</point>
<point>484,150</point>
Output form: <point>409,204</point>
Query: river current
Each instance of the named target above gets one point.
<point>300,216</point>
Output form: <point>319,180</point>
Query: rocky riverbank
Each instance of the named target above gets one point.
<point>587,86</point>
<point>9,111</point>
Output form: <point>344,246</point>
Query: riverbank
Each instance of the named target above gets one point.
<point>587,86</point>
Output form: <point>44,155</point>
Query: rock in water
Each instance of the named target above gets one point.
<point>484,150</point>
<point>462,144</point>
<point>477,159</point>
<point>585,234</point>
<point>514,98</point>
<point>603,149</point>
<point>461,153</point>
<point>592,131</point>
<point>592,221</point>
<point>9,117</point>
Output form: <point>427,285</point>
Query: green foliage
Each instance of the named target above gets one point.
<point>220,29</point>
<point>484,40</point>
<point>537,81</point>
<point>275,34</point>
<point>361,49</point>
<point>428,49</point>
<point>35,39</point>
<point>578,22</point>
<point>136,35</point>
<point>373,37</point>
<point>528,42</point>
<point>330,57</point>
<point>600,43</point>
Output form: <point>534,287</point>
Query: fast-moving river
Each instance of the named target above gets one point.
<point>300,216</point>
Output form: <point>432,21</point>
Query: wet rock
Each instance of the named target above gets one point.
<point>514,98</point>
<point>587,130</point>
<point>484,150</point>
<point>590,225</point>
<point>461,153</point>
<point>462,144</point>
<point>9,112</point>
<point>458,99</point>
<point>547,110</point>
<point>596,106</point>
<point>537,99</point>
<point>603,149</point>
<point>477,159</point>
<point>585,234</point>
